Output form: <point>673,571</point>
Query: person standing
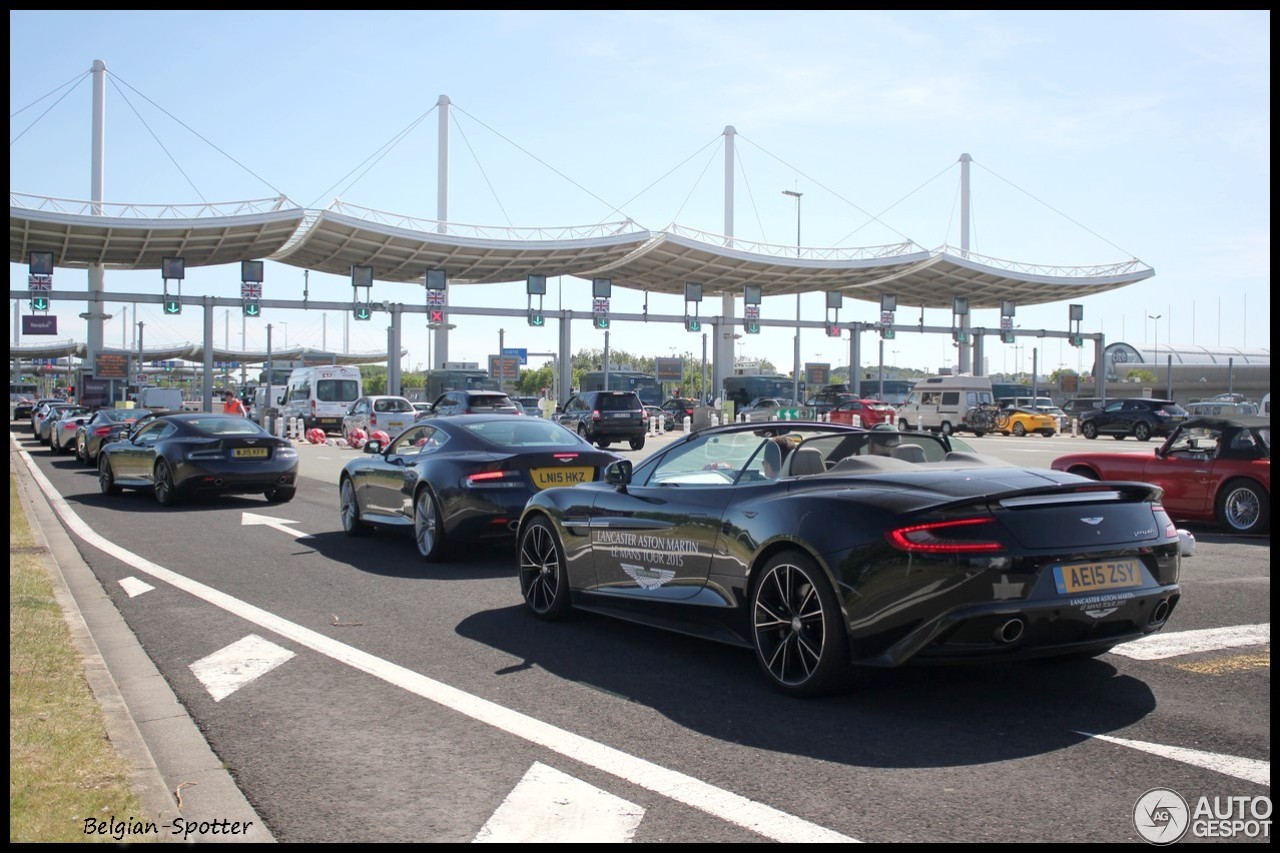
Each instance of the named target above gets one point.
<point>231,405</point>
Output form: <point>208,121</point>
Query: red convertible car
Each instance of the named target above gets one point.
<point>1211,469</point>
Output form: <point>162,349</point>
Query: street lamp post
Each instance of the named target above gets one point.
<point>795,373</point>
<point>1155,343</point>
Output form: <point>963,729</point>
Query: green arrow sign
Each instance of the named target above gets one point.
<point>172,306</point>
<point>363,313</point>
<point>40,303</point>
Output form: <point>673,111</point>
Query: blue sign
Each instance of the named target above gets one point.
<point>516,352</point>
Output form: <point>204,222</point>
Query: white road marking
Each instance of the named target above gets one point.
<point>1248,769</point>
<point>1172,644</point>
<point>738,810</point>
<point>135,587</point>
<point>228,669</point>
<point>548,806</point>
<point>281,524</point>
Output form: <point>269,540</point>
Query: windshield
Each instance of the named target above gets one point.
<point>337,390</point>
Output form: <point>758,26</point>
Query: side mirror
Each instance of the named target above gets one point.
<point>618,473</point>
<point>373,447</point>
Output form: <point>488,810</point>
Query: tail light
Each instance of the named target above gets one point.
<point>493,480</point>
<point>102,432</point>
<point>373,419</point>
<point>945,537</point>
<point>595,414</point>
<point>1170,530</point>
<point>564,457</point>
<point>313,407</point>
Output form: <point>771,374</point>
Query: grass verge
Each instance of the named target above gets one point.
<point>62,767</point>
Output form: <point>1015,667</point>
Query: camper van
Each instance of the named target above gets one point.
<point>939,403</point>
<point>322,395</point>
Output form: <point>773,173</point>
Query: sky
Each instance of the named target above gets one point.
<point>1096,138</point>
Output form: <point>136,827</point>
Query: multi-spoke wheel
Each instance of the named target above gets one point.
<point>165,494</point>
<point>1243,507</point>
<point>1089,429</point>
<point>1142,431</point>
<point>1018,429</point>
<point>428,532</point>
<point>349,510</point>
<point>106,479</point>
<point>544,581</point>
<point>797,628</point>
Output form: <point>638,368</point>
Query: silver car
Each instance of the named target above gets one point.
<point>392,415</point>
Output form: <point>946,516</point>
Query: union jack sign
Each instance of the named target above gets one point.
<point>40,282</point>
<point>250,290</point>
<point>435,297</point>
<point>600,306</point>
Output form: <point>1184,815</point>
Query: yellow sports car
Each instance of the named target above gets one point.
<point>1023,421</point>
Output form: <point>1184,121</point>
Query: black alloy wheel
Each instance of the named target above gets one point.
<point>544,580</point>
<point>799,640</point>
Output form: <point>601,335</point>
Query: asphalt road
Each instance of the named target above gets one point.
<point>358,694</point>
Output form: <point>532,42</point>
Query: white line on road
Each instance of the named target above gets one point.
<point>1172,644</point>
<point>733,808</point>
<point>1248,769</point>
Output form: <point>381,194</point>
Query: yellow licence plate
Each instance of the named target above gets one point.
<point>250,452</point>
<point>545,478</point>
<point>1077,578</point>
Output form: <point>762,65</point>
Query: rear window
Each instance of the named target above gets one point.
<point>1171,409</point>
<point>337,390</point>
<point>481,402</point>
<point>618,402</point>
<point>226,426</point>
<point>392,405</point>
<point>519,433</point>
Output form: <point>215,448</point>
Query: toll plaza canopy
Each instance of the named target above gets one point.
<point>401,248</point>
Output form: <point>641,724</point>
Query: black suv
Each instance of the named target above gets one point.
<point>603,417</point>
<point>1140,417</point>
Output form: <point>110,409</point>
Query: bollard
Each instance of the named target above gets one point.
<point>1075,422</point>
<point>688,423</point>
<point>715,420</point>
<point>653,425</point>
<point>919,423</point>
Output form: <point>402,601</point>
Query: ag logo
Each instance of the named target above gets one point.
<point>1161,816</point>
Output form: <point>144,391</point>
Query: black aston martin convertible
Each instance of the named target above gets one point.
<point>821,548</point>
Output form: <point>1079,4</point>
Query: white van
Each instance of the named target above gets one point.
<point>939,403</point>
<point>321,396</point>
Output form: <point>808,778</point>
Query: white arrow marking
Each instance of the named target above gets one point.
<point>1248,769</point>
<point>252,518</point>
<point>1169,645</point>
<point>550,806</point>
<point>135,587</point>
<point>227,670</point>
